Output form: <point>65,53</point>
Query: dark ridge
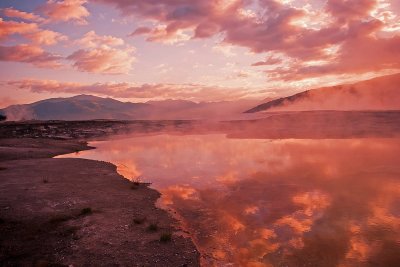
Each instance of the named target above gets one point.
<point>278,102</point>
<point>378,85</point>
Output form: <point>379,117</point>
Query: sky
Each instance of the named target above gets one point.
<point>198,50</point>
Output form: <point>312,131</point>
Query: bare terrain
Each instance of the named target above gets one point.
<point>57,212</point>
<point>87,130</point>
<point>60,212</point>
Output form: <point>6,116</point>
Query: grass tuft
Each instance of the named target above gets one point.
<point>45,181</point>
<point>42,263</point>
<point>153,227</point>
<point>139,220</point>
<point>60,218</point>
<point>86,211</point>
<point>165,237</point>
<point>135,184</point>
<point>68,231</point>
<point>134,187</point>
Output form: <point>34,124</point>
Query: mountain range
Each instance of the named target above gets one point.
<point>382,93</point>
<point>88,107</point>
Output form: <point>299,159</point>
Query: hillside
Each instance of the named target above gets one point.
<point>382,93</point>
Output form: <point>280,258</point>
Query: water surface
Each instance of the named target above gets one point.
<point>259,202</point>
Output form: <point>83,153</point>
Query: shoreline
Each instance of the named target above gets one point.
<point>60,212</point>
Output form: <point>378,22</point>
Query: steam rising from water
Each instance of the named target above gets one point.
<point>381,93</point>
<point>266,202</point>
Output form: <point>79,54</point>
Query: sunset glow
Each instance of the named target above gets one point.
<point>201,133</point>
<point>273,202</point>
<point>194,50</point>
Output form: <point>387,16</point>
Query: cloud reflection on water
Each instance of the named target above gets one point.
<point>274,202</point>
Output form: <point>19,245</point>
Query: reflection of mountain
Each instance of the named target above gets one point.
<point>381,93</point>
<point>86,107</point>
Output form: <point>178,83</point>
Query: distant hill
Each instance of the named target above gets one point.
<point>382,93</point>
<point>87,107</point>
<point>82,107</point>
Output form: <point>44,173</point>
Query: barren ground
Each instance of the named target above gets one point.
<point>57,212</point>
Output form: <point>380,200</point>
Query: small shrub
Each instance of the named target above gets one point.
<point>42,263</point>
<point>165,237</point>
<point>153,227</point>
<point>86,211</point>
<point>60,218</point>
<point>3,168</point>
<point>134,187</point>
<point>67,231</point>
<point>2,220</point>
<point>135,184</point>
<point>139,220</point>
<point>45,181</point>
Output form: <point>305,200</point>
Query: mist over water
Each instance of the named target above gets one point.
<point>271,128</point>
<point>270,202</point>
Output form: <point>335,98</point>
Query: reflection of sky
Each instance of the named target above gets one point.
<point>274,203</point>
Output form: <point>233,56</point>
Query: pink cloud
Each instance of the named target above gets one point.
<point>8,28</point>
<point>163,34</point>
<point>91,39</point>
<point>206,29</point>
<point>103,60</point>
<point>103,54</point>
<point>66,10</point>
<point>346,10</point>
<point>30,31</point>
<point>141,31</point>
<point>359,54</point>
<point>192,92</point>
<point>268,61</point>
<point>98,54</point>
<point>14,13</point>
<point>277,27</point>
<point>46,37</point>
<point>30,54</point>
<point>207,18</point>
